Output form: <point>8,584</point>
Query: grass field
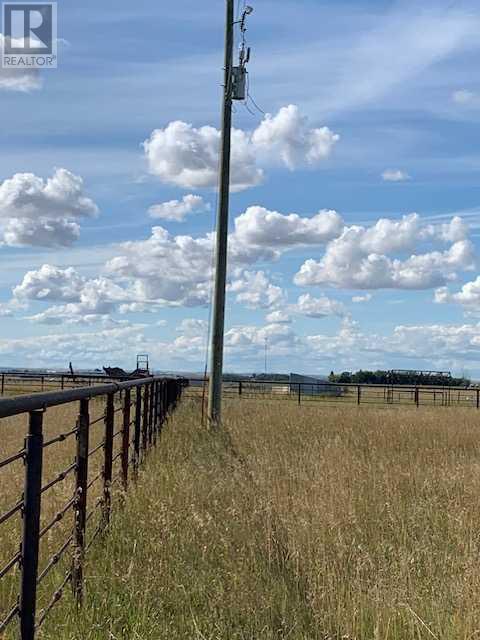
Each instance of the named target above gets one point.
<point>316,523</point>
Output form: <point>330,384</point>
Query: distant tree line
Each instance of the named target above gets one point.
<point>389,377</point>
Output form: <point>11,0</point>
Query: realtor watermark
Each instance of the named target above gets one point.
<point>29,35</point>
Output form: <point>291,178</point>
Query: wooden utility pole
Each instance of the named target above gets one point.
<point>218,324</point>
<point>234,89</point>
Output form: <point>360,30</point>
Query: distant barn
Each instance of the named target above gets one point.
<point>313,386</point>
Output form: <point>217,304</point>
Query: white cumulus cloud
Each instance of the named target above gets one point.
<point>322,307</point>
<point>255,291</point>
<point>359,259</point>
<point>188,157</point>
<point>271,232</point>
<point>107,346</point>
<point>279,316</point>
<point>177,270</point>
<point>468,296</point>
<point>178,210</point>
<point>288,137</point>
<point>171,270</point>
<point>50,283</point>
<point>83,300</point>
<point>193,327</point>
<point>37,212</point>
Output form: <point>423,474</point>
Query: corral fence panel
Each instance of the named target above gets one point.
<point>58,486</point>
<point>340,393</point>
<point>14,383</point>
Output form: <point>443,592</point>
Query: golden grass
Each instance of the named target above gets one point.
<point>320,522</point>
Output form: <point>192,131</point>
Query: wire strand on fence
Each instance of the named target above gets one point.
<point>61,476</point>
<point>95,535</point>
<point>55,559</point>
<point>60,438</point>
<point>9,618</point>
<point>55,598</point>
<point>95,479</point>
<point>10,564</point>
<point>97,504</point>
<point>17,456</point>
<point>11,512</point>
<point>58,517</point>
<point>97,420</point>
<point>97,448</point>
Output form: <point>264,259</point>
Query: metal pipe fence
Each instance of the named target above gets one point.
<point>348,394</point>
<point>15,382</point>
<point>127,410</point>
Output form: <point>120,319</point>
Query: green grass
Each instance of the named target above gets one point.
<point>301,523</point>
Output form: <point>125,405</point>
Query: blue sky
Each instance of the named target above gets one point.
<point>374,116</point>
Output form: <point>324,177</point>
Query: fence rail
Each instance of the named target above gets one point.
<point>14,382</point>
<point>340,393</point>
<point>142,407</point>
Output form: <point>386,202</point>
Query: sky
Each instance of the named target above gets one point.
<point>355,208</point>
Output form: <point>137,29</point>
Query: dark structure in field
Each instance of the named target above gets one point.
<point>117,373</point>
<point>312,386</point>
<point>142,370</point>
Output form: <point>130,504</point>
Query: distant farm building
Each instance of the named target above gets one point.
<point>313,386</point>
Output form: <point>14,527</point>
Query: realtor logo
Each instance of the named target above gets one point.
<point>29,35</point>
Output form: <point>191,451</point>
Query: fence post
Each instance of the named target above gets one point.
<point>137,432</point>
<point>478,398</point>
<point>299,393</point>
<point>153,412</point>
<point>63,383</point>
<point>417,396</point>
<point>145,420</point>
<point>83,425</point>
<point>31,524</point>
<point>156,414</point>
<point>165,401</point>
<point>240,388</point>
<point>162,404</point>
<point>150,413</point>
<point>3,383</point>
<point>108,462</point>
<point>125,438</point>
<point>359,394</point>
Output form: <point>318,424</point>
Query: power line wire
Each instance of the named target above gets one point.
<point>250,97</point>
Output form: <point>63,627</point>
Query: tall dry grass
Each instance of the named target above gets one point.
<point>302,523</point>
